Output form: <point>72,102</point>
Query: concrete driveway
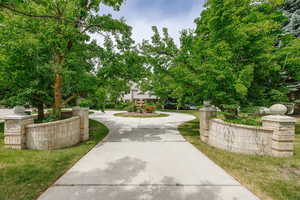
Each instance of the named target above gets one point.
<point>145,159</point>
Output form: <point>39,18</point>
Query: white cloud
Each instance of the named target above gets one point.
<point>142,23</point>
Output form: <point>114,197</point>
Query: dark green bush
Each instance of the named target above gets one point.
<point>251,109</point>
<point>85,103</point>
<point>121,106</point>
<point>242,118</point>
<point>230,111</point>
<point>132,108</point>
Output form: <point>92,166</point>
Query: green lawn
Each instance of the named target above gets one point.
<point>267,177</point>
<point>25,174</point>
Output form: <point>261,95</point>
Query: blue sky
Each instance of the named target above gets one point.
<point>173,14</point>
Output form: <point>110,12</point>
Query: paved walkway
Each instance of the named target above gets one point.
<point>145,159</point>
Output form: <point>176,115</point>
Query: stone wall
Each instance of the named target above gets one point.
<point>20,132</point>
<point>274,138</point>
<point>240,138</point>
<point>53,135</point>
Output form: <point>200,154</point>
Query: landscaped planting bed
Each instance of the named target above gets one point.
<point>268,177</point>
<point>140,115</point>
<point>242,118</point>
<point>25,174</point>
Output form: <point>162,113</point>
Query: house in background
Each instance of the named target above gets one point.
<point>136,95</point>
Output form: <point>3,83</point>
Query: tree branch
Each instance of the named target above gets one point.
<point>33,15</point>
<point>70,99</point>
<point>186,83</point>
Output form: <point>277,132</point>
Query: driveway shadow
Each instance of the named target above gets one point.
<point>132,131</point>
<point>111,183</point>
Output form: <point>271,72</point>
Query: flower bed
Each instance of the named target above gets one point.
<point>140,115</point>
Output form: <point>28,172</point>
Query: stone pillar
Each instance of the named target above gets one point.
<point>15,129</point>
<point>284,131</point>
<point>83,113</point>
<point>206,114</point>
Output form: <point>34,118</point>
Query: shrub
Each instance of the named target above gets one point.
<point>112,105</point>
<point>251,109</point>
<point>131,108</point>
<point>85,103</point>
<point>149,108</point>
<point>122,106</point>
<point>159,105</point>
<point>241,118</point>
<point>230,110</point>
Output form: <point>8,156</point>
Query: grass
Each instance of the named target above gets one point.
<point>267,177</point>
<point>140,116</point>
<point>25,174</point>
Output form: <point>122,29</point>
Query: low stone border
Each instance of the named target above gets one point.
<point>274,138</point>
<point>20,132</point>
<point>240,138</point>
<point>53,135</point>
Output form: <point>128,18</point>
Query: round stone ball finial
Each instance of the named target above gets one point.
<point>278,109</point>
<point>19,110</point>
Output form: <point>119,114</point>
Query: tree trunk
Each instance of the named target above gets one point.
<point>163,102</point>
<point>41,114</point>
<point>57,96</point>
<point>103,107</point>
<point>58,63</point>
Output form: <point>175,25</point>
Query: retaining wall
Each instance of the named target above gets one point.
<point>53,135</point>
<point>240,138</point>
<point>20,132</point>
<point>274,138</point>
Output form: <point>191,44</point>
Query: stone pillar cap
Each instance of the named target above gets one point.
<point>76,107</point>
<point>80,108</point>
<point>279,118</point>
<point>16,116</point>
<point>208,109</point>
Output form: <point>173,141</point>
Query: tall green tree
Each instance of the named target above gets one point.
<point>290,54</point>
<point>292,10</point>
<point>25,74</point>
<point>65,28</point>
<point>160,53</point>
<point>233,51</point>
<point>119,64</point>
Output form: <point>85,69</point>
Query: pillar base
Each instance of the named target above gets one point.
<point>14,130</point>
<point>283,135</point>
<point>206,114</point>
